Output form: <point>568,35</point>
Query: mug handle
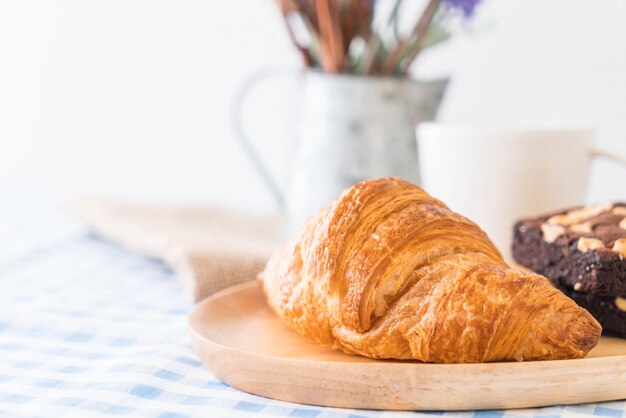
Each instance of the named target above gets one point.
<point>609,156</point>
<point>242,137</point>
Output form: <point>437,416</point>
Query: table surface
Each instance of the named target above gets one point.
<point>90,329</point>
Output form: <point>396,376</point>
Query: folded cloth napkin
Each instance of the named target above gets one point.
<point>209,249</point>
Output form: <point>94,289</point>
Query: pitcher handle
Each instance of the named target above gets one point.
<point>609,156</point>
<point>242,137</point>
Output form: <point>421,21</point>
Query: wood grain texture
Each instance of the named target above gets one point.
<point>240,340</point>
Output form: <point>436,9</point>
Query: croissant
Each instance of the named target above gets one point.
<point>387,271</point>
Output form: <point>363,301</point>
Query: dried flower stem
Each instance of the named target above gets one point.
<point>338,35</point>
<point>372,49</point>
<point>418,34</point>
<point>330,34</point>
<point>306,55</point>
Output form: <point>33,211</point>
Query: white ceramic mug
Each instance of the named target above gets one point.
<point>495,175</point>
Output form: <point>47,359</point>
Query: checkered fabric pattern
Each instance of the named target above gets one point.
<point>88,329</point>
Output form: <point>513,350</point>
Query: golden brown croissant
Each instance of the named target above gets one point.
<point>387,271</point>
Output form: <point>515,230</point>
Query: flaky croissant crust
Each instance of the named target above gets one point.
<point>387,271</point>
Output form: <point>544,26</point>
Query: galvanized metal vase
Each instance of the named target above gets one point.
<point>350,128</point>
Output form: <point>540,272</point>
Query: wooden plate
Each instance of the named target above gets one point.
<point>248,347</point>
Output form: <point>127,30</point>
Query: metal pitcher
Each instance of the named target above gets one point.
<point>349,128</point>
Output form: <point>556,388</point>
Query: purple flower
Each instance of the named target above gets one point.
<point>466,7</point>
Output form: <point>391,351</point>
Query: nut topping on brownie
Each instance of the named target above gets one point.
<point>588,244</point>
<point>584,228</point>
<point>580,248</point>
<point>583,251</point>
<point>620,210</point>
<point>578,215</point>
<point>601,223</point>
<point>620,247</point>
<point>551,232</point>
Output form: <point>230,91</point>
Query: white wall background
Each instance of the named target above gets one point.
<point>131,97</point>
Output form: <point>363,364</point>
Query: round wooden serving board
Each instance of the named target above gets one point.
<point>248,347</point>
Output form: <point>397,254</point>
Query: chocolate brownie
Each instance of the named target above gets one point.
<point>583,248</point>
<point>610,311</point>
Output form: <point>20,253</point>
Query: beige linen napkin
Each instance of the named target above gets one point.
<point>209,249</point>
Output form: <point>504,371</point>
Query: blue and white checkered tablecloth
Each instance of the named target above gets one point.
<point>89,329</point>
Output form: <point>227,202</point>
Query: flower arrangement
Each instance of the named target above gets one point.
<point>346,36</point>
